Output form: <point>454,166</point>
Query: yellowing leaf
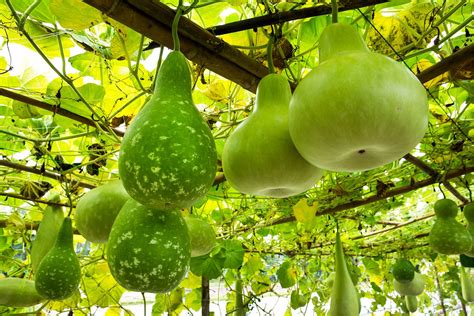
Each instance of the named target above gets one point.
<point>303,212</point>
<point>216,91</point>
<point>74,14</point>
<point>113,311</point>
<point>192,281</point>
<point>423,64</point>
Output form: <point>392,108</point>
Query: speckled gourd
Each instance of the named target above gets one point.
<point>47,233</point>
<point>469,215</point>
<point>259,157</point>
<point>344,296</point>
<point>202,236</point>
<point>448,236</point>
<point>17,292</point>
<point>168,157</point>
<point>148,250</point>
<point>97,210</point>
<point>59,273</point>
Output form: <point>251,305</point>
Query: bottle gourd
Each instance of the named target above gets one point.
<point>148,249</point>
<point>59,273</point>
<point>17,292</point>
<point>411,288</point>
<point>259,157</point>
<point>448,236</point>
<point>357,110</point>
<point>168,157</point>
<point>469,215</point>
<point>97,210</point>
<point>201,234</point>
<point>47,233</point>
<point>344,296</point>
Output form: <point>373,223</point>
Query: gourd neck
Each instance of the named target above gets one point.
<point>65,235</point>
<point>173,76</point>
<point>273,94</point>
<point>341,267</point>
<point>339,38</point>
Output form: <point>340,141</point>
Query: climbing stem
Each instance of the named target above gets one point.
<point>334,11</point>
<point>271,67</point>
<point>174,26</point>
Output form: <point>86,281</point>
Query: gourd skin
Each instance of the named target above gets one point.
<point>448,236</point>
<point>202,236</point>
<point>259,157</point>
<point>47,233</point>
<point>403,270</point>
<point>357,110</point>
<point>344,297</point>
<point>414,287</point>
<point>97,210</point>
<point>16,292</point>
<point>59,273</point>
<point>411,303</point>
<point>148,249</point>
<point>467,287</point>
<point>168,158</point>
<point>469,215</point>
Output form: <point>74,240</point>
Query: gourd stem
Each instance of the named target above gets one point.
<point>174,26</point>
<point>334,11</point>
<point>271,66</point>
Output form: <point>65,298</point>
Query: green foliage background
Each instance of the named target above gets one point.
<point>69,55</point>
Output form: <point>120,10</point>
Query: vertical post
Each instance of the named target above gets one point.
<point>205,299</point>
<point>440,293</point>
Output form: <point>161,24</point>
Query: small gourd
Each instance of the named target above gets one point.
<point>97,210</point>
<point>168,157</point>
<point>47,233</point>
<point>413,288</point>
<point>448,236</point>
<point>403,270</point>
<point>469,215</point>
<point>259,157</point>
<point>344,296</point>
<point>148,249</point>
<point>202,236</point>
<point>59,273</point>
<point>467,286</point>
<point>357,110</point>
<point>411,303</point>
<point>17,292</point>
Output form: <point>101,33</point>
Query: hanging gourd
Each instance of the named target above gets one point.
<point>448,236</point>
<point>168,157</point>
<point>357,110</point>
<point>259,157</point>
<point>468,212</point>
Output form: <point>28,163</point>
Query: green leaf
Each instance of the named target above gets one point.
<point>233,253</point>
<point>210,267</point>
<point>193,299</point>
<point>286,275</point>
<point>75,14</point>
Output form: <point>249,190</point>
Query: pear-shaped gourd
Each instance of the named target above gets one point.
<point>259,157</point>
<point>357,110</point>
<point>16,292</point>
<point>148,249</point>
<point>467,286</point>
<point>414,287</point>
<point>47,233</point>
<point>411,303</point>
<point>202,236</point>
<point>344,297</point>
<point>59,273</point>
<point>448,236</point>
<point>469,215</point>
<point>97,210</point>
<point>168,157</point>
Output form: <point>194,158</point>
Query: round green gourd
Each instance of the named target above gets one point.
<point>59,273</point>
<point>259,157</point>
<point>148,249</point>
<point>445,208</point>
<point>414,287</point>
<point>344,296</point>
<point>411,303</point>
<point>449,237</point>
<point>48,229</point>
<point>403,270</point>
<point>168,157</point>
<point>16,292</point>
<point>468,212</point>
<point>97,210</point>
<point>357,110</point>
<point>202,236</point>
